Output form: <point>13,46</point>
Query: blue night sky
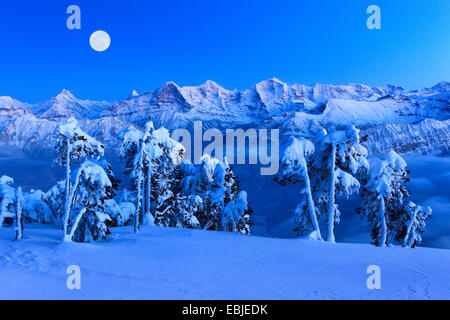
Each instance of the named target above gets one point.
<point>236,43</point>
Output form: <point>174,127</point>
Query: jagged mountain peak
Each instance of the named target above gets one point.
<point>65,93</point>
<point>210,85</point>
<point>64,97</point>
<point>133,94</point>
<point>66,105</point>
<point>272,82</point>
<point>170,85</point>
<point>443,86</point>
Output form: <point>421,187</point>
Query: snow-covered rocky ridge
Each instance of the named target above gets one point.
<point>409,121</point>
<point>162,263</point>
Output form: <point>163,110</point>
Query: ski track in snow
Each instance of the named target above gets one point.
<point>162,263</point>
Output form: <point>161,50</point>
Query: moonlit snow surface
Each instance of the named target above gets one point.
<point>162,263</point>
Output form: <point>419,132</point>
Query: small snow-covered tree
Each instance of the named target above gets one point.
<point>236,215</point>
<point>55,200</point>
<point>72,143</point>
<point>225,206</point>
<point>338,158</point>
<point>187,208</point>
<point>294,169</point>
<point>124,200</point>
<point>7,201</point>
<point>6,180</point>
<point>11,206</point>
<point>90,189</point>
<point>381,198</point>
<point>35,209</point>
<point>385,206</point>
<point>19,215</point>
<point>410,228</point>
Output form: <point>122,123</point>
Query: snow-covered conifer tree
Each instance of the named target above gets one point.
<point>167,156</point>
<point>90,189</point>
<point>410,228</point>
<point>384,203</point>
<point>131,151</point>
<point>6,180</point>
<point>380,197</point>
<point>236,215</point>
<point>187,208</point>
<point>225,206</point>
<point>7,201</point>
<point>19,215</point>
<point>55,200</point>
<point>72,143</point>
<point>338,158</point>
<point>294,169</point>
<point>35,210</point>
<point>152,159</point>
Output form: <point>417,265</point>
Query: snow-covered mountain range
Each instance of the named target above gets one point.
<point>408,121</point>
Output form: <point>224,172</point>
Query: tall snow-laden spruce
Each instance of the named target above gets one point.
<point>19,213</point>
<point>91,187</point>
<point>131,151</point>
<point>72,143</point>
<point>385,203</point>
<point>166,180</point>
<point>151,158</point>
<point>294,169</point>
<point>339,157</point>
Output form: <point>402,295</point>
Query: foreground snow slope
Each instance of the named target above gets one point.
<point>164,263</point>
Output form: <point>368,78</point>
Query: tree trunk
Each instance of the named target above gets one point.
<point>70,203</point>
<point>408,240</point>
<point>140,203</point>
<point>75,224</point>
<point>332,196</point>
<point>19,217</point>
<point>383,240</point>
<point>148,214</point>
<point>311,205</point>
<point>67,200</point>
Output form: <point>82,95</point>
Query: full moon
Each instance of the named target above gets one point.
<point>100,41</point>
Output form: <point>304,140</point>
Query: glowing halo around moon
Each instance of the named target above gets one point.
<point>100,41</point>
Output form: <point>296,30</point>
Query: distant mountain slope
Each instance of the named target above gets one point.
<point>65,105</point>
<point>294,109</point>
<point>426,137</point>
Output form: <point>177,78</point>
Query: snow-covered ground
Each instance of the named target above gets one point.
<point>162,263</point>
